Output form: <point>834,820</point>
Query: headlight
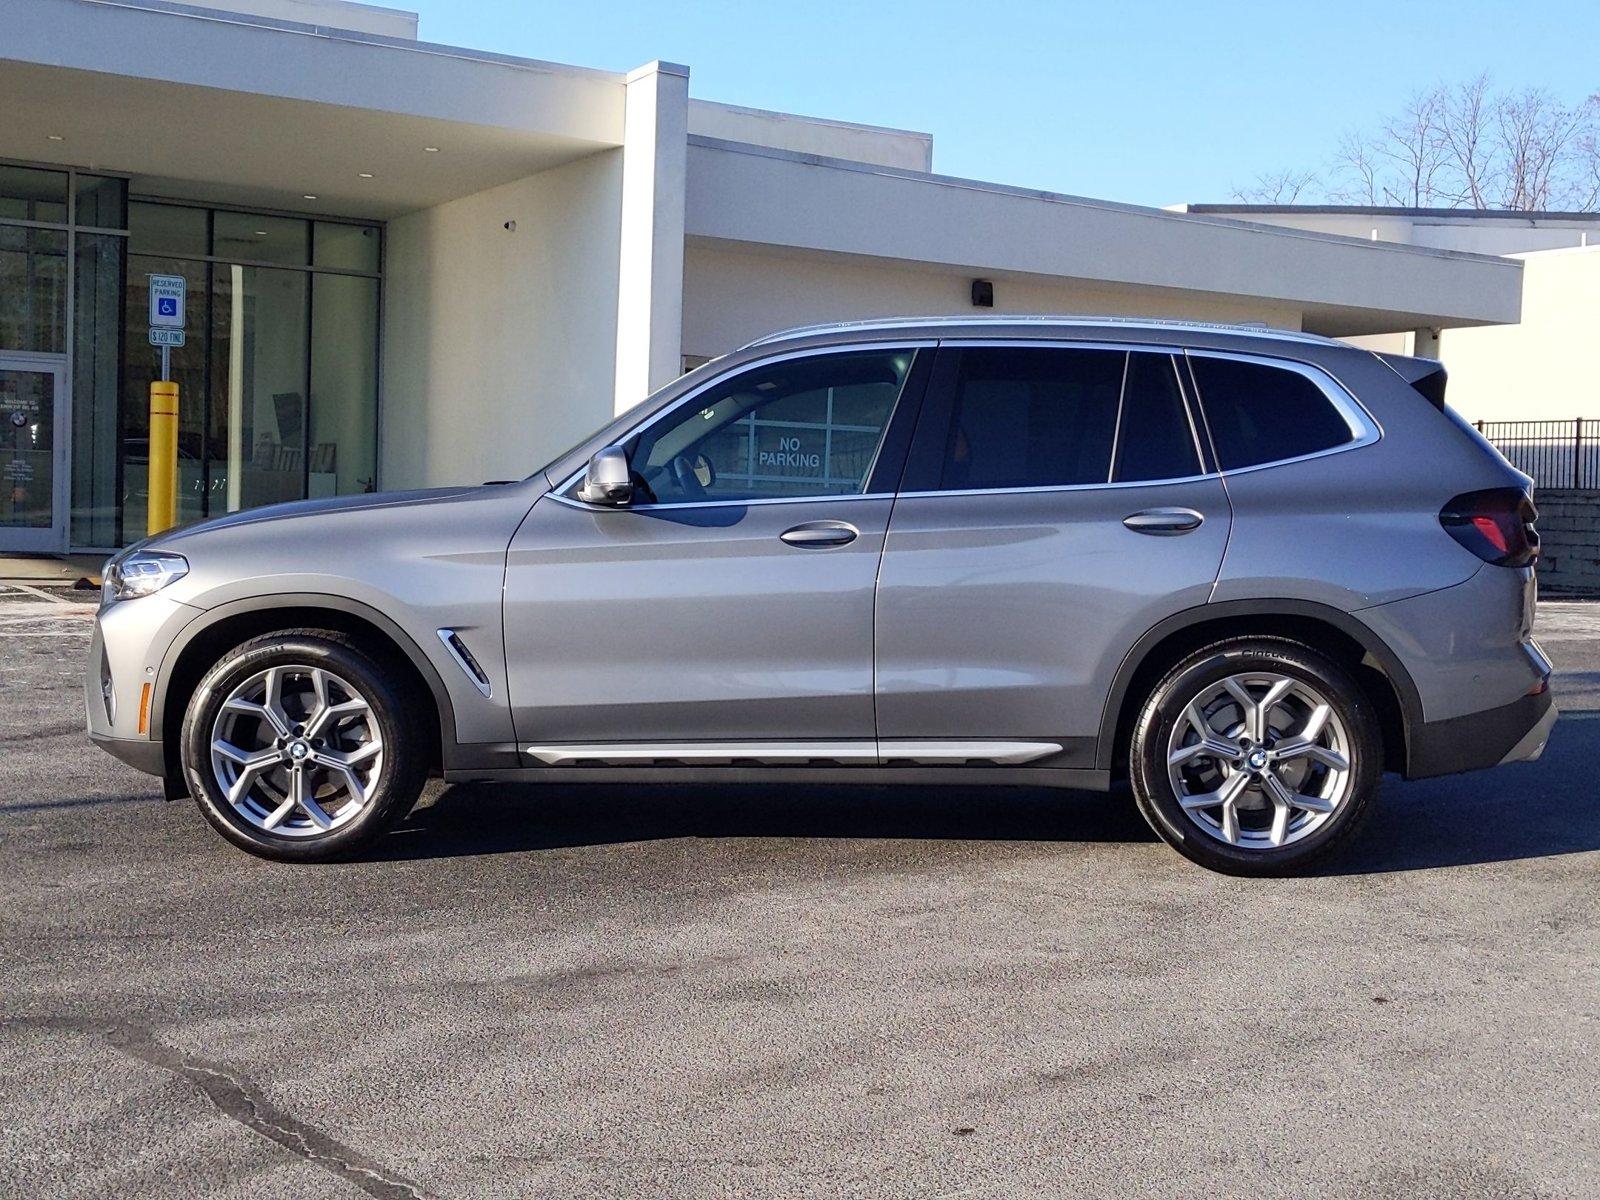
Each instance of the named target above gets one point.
<point>141,573</point>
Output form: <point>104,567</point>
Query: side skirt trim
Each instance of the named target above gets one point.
<point>845,753</point>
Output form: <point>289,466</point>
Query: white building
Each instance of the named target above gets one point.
<point>1543,368</point>
<point>412,264</point>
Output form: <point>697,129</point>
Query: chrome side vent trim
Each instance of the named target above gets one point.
<point>458,651</point>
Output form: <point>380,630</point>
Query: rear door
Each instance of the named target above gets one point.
<point>1057,503</point>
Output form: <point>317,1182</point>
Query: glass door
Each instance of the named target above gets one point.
<point>33,471</point>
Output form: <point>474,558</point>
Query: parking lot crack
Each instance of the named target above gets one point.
<point>236,1097</point>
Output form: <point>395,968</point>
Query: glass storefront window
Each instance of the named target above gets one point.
<point>168,229</point>
<point>344,385</point>
<point>29,194</point>
<point>345,247</point>
<point>33,289</point>
<point>278,378</point>
<point>256,451</point>
<point>250,238</point>
<point>96,416</point>
<point>101,201</point>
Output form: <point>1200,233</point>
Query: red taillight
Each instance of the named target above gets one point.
<point>1496,525</point>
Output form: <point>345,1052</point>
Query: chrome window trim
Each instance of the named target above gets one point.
<point>1364,427</point>
<point>574,502</point>
<point>1172,353</point>
<point>559,492</point>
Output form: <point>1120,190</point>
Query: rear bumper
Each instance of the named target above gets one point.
<point>1516,732</point>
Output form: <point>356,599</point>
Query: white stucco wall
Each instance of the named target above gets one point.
<point>1544,368</point>
<point>813,135</point>
<point>338,14</point>
<point>499,346</point>
<point>733,294</point>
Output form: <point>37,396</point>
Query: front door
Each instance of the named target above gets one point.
<point>33,464</point>
<point>732,602</point>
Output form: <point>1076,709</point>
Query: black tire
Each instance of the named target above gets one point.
<point>1207,667</point>
<point>404,764</point>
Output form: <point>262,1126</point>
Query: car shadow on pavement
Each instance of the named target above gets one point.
<point>1525,811</point>
<point>472,819</point>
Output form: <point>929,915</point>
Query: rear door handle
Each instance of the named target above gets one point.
<point>819,535</point>
<point>1163,522</point>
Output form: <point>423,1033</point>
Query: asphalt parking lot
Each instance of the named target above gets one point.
<point>671,992</point>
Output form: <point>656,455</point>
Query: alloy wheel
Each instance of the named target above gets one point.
<point>297,751</point>
<point>1259,760</point>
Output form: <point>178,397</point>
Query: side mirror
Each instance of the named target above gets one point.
<point>609,479</point>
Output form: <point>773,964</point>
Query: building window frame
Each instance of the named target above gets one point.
<point>67,356</point>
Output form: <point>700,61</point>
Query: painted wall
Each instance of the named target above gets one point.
<point>812,135</point>
<point>339,14</point>
<point>1546,366</point>
<point>499,345</point>
<point>733,294</point>
<point>1468,232</point>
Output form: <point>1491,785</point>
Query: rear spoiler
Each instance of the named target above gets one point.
<point>1426,375</point>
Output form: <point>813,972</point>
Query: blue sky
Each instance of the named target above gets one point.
<point>1149,102</point>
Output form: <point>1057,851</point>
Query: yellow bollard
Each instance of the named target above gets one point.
<point>163,480</point>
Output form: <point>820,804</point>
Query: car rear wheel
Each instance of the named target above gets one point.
<point>298,747</point>
<point>1256,756</point>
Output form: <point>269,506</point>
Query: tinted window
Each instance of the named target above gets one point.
<point>1154,439</point>
<point>1029,417</point>
<point>1261,413</point>
<point>800,427</point>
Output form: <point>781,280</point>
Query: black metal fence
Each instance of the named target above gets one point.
<point>1558,454</point>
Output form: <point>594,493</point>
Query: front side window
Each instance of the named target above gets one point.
<point>807,426</point>
<point>1260,413</point>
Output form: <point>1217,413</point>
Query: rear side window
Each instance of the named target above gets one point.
<point>1154,438</point>
<point>1260,413</point>
<point>1026,417</point>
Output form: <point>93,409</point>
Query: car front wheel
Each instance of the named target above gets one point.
<point>299,747</point>
<point>1256,756</point>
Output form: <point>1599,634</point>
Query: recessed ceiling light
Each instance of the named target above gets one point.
<point>261,233</point>
<point>430,149</point>
<point>55,137</point>
<point>308,196</point>
<point>365,174</point>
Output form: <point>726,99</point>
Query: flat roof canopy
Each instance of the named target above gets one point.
<point>262,113</point>
<point>1343,286</point>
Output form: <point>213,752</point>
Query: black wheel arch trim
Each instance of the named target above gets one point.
<point>1405,688</point>
<point>212,617</point>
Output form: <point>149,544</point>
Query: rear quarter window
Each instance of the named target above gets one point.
<point>1260,413</point>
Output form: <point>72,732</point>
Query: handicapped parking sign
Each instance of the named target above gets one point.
<point>166,301</point>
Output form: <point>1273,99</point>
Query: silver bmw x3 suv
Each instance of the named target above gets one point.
<point>1247,571</point>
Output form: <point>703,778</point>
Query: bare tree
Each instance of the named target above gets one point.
<point>1467,146</point>
<point>1416,153</point>
<point>1358,169</point>
<point>1284,187</point>
<point>1462,123</point>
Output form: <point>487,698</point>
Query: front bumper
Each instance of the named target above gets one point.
<point>138,753</point>
<point>131,638</point>
<point>1516,732</point>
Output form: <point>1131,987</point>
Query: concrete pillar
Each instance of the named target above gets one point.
<point>655,148</point>
<point>1425,343</point>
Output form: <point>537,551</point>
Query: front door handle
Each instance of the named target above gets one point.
<point>1163,522</point>
<point>819,535</point>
